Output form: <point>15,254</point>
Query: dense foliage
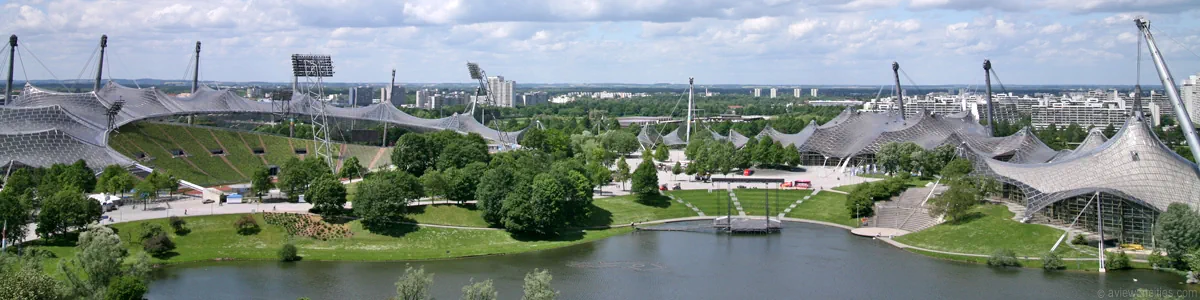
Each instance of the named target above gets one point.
<point>1177,232</point>
<point>1003,258</point>
<point>384,197</point>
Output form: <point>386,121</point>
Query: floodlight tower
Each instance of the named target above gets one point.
<point>12,49</point>
<point>111,113</point>
<point>100,65</point>
<point>313,68</point>
<point>1172,91</point>
<point>480,75</point>
<point>389,102</point>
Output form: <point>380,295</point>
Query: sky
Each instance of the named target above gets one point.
<point>751,42</point>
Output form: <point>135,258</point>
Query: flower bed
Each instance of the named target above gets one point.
<point>306,225</point>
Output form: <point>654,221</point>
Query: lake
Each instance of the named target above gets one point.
<point>805,261</point>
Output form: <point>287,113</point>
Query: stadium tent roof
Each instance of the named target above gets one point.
<point>1134,165</point>
<point>41,127</point>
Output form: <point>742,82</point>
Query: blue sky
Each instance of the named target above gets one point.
<point>769,42</point>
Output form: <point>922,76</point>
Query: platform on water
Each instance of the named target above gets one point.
<point>738,224</point>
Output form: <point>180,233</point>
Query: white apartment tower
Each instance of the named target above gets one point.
<point>1191,97</point>
<point>774,92</point>
<point>757,92</point>
<point>502,90</point>
<point>796,93</point>
<point>814,93</point>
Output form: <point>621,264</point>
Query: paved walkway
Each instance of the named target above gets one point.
<point>878,232</point>
<point>736,204</point>
<point>688,204</point>
<point>798,201</point>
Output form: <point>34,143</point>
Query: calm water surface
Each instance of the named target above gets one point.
<point>804,262</point>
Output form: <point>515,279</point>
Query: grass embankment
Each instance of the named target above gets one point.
<point>988,228</point>
<point>914,182</point>
<point>711,204</point>
<point>826,207</point>
<point>214,237</point>
<point>1076,265</point>
<point>754,200</point>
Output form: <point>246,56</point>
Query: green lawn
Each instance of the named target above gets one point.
<point>754,200</point>
<point>624,210</point>
<point>214,237</point>
<point>710,203</point>
<point>1085,266</point>
<point>991,227</point>
<point>454,215</point>
<point>825,206</point>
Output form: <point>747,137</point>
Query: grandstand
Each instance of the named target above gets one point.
<point>215,156</point>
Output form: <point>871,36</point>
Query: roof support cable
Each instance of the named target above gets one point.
<point>910,81</point>
<point>88,64</point>
<point>39,61</point>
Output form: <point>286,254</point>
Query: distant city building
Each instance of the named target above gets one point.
<point>393,95</point>
<point>254,92</point>
<point>1191,97</point>
<point>835,103</point>
<point>774,92</point>
<point>814,93</point>
<point>502,91</point>
<point>796,93</point>
<point>436,99</point>
<point>534,98</point>
<point>362,96</point>
<point>757,92</point>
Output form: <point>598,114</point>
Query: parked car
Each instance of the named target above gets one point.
<point>207,201</point>
<point>747,172</point>
<point>676,187</point>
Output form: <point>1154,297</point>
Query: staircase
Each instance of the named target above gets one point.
<point>906,211</point>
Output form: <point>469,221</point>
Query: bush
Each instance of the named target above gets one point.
<point>151,230</point>
<point>1158,260</point>
<point>178,224</point>
<point>1051,262</point>
<point>1118,261</point>
<point>1003,258</point>
<point>1079,240</point>
<point>288,253</point>
<point>246,225</point>
<point>125,288</point>
<point>158,245</point>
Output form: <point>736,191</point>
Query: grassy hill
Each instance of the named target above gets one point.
<point>215,156</point>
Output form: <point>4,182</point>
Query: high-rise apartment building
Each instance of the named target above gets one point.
<point>796,93</point>
<point>502,91</point>
<point>774,91</point>
<point>1191,97</point>
<point>814,93</point>
<point>757,92</point>
<point>393,95</point>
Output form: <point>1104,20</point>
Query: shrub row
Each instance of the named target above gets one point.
<point>307,226</point>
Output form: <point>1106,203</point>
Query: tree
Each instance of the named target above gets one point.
<point>103,182</point>
<point>678,168</point>
<point>1118,261</point>
<point>327,195</point>
<point>957,168</point>
<point>931,162</point>
<point>414,153</point>
<point>896,157</point>
<point>79,175</point>
<point>20,182</point>
<point>493,188</point>
<point>435,183</point>
<point>463,151</point>
<point>620,142</point>
<point>599,174</point>
<point>351,168</point>
<point>385,198</point>
<point>29,284</point>
<point>99,256</point>
<point>622,173</point>
<point>536,209</point>
<point>156,242</point>
<point>15,212</point>
<point>791,156</point>
<point>146,191</point>
<point>645,180</point>
<point>296,175</point>
<point>178,224</point>
<point>537,286</point>
<point>1176,232</point>
<point>260,182</point>
<point>414,284</point>
<point>661,153</point>
<point>482,290</point>
<point>1109,130</point>
<point>126,288</point>
<point>461,182</point>
<point>64,210</point>
<point>956,202</point>
<point>859,203</point>
<point>288,253</point>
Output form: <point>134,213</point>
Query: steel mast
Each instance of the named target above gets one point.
<point>1168,82</point>
<point>8,96</point>
<point>100,67</point>
<point>987,78</point>
<point>899,91</point>
<point>691,90</point>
